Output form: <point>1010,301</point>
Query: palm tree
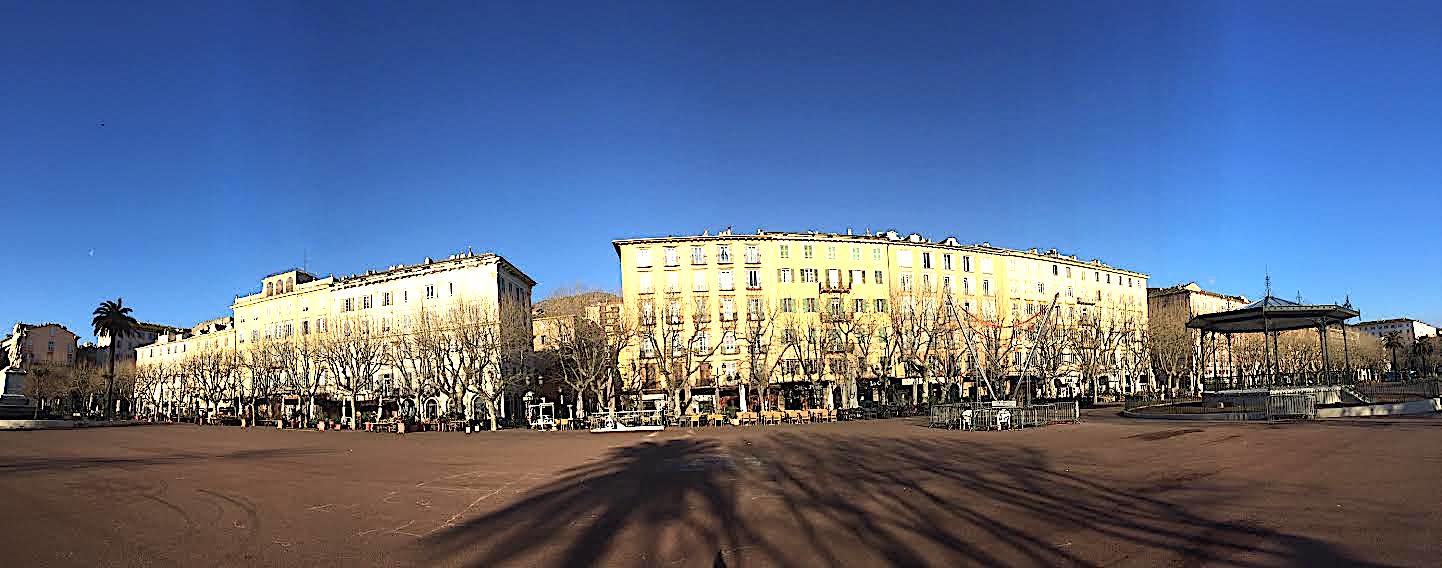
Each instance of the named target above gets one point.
<point>1392,340</point>
<point>112,319</point>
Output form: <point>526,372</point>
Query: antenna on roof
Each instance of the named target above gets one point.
<point>1268,281</point>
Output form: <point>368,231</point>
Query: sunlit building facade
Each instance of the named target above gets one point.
<point>709,288</point>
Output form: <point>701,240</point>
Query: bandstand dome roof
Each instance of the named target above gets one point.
<point>1273,314</point>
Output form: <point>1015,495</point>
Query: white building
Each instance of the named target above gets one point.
<point>1409,329</point>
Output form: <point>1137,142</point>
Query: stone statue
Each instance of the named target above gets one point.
<point>14,352</point>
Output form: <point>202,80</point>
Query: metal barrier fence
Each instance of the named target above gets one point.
<point>628,418</point>
<point>970,416</point>
<point>1429,388</point>
<point>1291,406</point>
<point>1301,379</point>
<point>879,411</point>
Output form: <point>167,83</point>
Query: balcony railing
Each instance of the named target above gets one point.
<point>835,288</point>
<point>755,316</point>
<point>728,316</point>
<point>701,318</point>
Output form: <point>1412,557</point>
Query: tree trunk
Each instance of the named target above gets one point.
<point>110,381</point>
<point>491,410</point>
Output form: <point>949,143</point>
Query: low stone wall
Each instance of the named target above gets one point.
<point>1423,406</point>
<point>64,424</point>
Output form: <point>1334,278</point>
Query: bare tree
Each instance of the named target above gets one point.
<point>680,351</point>
<point>85,383</point>
<point>265,362</point>
<point>42,384</point>
<point>587,356</point>
<point>1094,341</point>
<point>763,350</point>
<point>352,353</point>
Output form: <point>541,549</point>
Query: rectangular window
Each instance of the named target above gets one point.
<point>987,266</point>
<point>451,289</point>
<point>985,287</point>
<point>946,262</point>
<point>946,285</point>
<point>926,260</point>
<point>966,286</point>
<point>879,279</point>
<point>1054,270</point>
<point>698,255</point>
<point>365,302</point>
<point>876,254</point>
<point>385,298</point>
<point>858,277</point>
<point>672,259</point>
<point>965,263</point>
<point>906,282</point>
<point>807,252</point>
<point>673,282</point>
<point>855,253</point>
<point>881,305</point>
<point>788,305</point>
<point>723,254</point>
<point>1040,287</point>
<point>809,305</point>
<point>831,252</point>
<point>728,309</point>
<point>753,254</point>
<point>808,275</point>
<point>753,309</point>
<point>643,283</point>
<point>783,275</point>
<point>643,258</point>
<point>784,251</point>
<point>903,258</point>
<point>725,281</point>
<point>698,281</point>
<point>833,277</point>
<point>858,305</point>
<point>753,279</point>
<point>348,305</point>
<point>430,291</point>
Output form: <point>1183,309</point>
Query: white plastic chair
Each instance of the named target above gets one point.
<point>1003,419</point>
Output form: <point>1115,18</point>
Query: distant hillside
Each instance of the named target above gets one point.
<point>563,304</point>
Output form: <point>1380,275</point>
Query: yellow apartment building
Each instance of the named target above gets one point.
<point>294,304</point>
<point>701,300</point>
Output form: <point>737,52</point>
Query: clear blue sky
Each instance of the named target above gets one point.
<point>1201,141</point>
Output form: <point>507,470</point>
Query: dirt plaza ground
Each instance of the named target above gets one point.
<point>1106,492</point>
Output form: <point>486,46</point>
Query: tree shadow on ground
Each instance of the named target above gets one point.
<point>34,464</point>
<point>791,499</point>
